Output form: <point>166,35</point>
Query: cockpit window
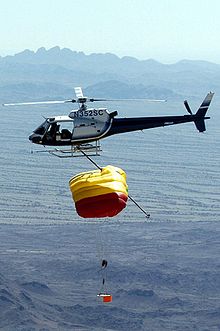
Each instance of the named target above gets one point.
<point>42,128</point>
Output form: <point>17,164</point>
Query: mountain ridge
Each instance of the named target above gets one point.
<point>57,51</point>
<point>97,70</point>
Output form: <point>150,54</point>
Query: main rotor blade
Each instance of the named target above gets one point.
<point>78,92</point>
<point>148,100</point>
<point>93,100</point>
<point>39,103</point>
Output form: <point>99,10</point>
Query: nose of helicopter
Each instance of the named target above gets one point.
<point>35,138</point>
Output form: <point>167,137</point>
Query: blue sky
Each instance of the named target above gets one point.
<point>165,30</point>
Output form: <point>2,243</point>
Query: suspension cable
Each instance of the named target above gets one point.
<point>97,166</point>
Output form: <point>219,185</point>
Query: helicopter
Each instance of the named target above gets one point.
<point>84,127</point>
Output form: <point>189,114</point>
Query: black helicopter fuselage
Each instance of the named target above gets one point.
<point>101,124</point>
<point>122,125</point>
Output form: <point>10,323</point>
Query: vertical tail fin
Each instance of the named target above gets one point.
<point>201,112</point>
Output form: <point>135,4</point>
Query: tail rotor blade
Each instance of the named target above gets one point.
<point>187,107</point>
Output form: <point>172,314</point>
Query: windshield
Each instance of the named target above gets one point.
<point>42,128</point>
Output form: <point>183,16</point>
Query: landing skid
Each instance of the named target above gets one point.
<point>92,149</point>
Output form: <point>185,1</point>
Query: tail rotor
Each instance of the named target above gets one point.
<point>200,115</point>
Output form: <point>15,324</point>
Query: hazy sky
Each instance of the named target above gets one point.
<point>166,30</point>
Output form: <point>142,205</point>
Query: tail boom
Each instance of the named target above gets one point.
<point>122,125</point>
